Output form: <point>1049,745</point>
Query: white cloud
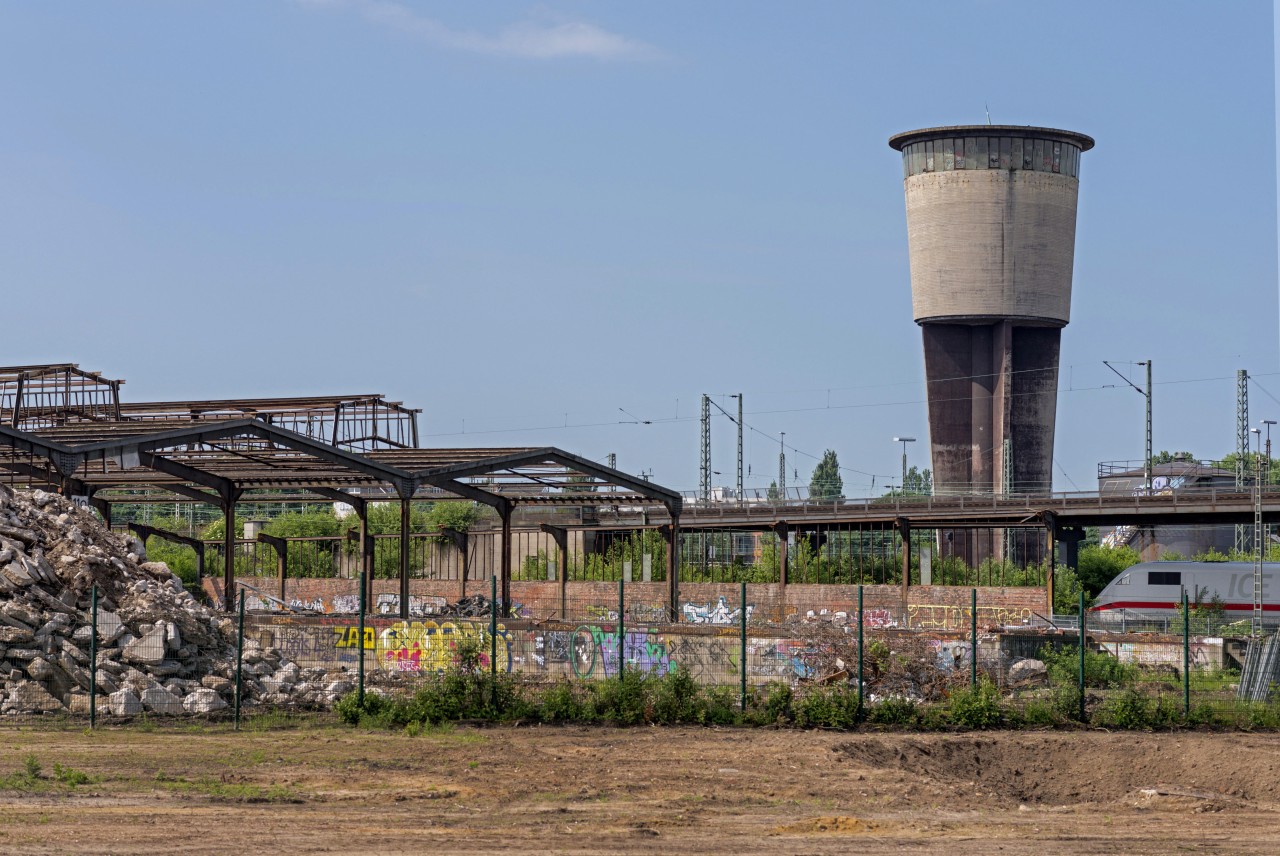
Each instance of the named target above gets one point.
<point>526,40</point>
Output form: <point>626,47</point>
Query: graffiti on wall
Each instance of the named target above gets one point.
<point>784,659</point>
<point>420,647</point>
<point>389,604</point>
<point>593,652</point>
<point>705,613</point>
<point>931,616</point>
<point>952,655</point>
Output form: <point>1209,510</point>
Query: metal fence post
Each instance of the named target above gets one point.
<point>1081,677</point>
<point>360,661</point>
<point>742,653</point>
<point>493,636</point>
<point>1186,655</point>
<point>240,660</point>
<point>973,637</point>
<point>860,658</point>
<point>622,620</point>
<point>93,657</point>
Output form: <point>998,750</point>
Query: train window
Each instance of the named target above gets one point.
<point>1123,581</point>
<point>1164,578</point>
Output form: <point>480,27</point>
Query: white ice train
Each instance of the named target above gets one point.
<point>1153,590</point>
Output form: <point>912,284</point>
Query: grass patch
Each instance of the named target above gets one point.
<point>225,791</point>
<point>31,778</point>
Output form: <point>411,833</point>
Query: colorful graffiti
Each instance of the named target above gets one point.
<point>951,655</point>
<point>594,652</point>
<point>424,646</point>
<point>780,659</point>
<point>719,614</point>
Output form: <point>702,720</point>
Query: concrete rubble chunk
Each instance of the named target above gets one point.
<point>30,697</point>
<point>203,701</point>
<point>1027,671</point>
<point>216,683</point>
<point>12,635</point>
<point>17,574</point>
<point>109,627</point>
<point>40,669</point>
<point>148,650</point>
<point>159,700</point>
<point>125,703</point>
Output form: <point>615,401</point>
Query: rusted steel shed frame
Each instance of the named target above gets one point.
<point>169,461</point>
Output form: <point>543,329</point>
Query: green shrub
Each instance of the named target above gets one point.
<point>894,711</point>
<point>1101,671</point>
<point>622,699</point>
<point>777,703</point>
<point>560,703</point>
<point>1130,710</point>
<point>827,707</point>
<point>677,697</point>
<point>976,707</point>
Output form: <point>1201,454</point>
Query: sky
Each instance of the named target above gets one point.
<point>561,223</point>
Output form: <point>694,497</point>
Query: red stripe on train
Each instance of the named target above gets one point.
<point>1171,604</point>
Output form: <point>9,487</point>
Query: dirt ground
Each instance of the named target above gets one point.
<point>319,787</point>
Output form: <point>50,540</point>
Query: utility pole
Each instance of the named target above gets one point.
<point>613,460</point>
<point>1242,448</point>
<point>1257,540</point>
<point>741,495</point>
<point>704,482</point>
<point>1146,464</point>
<point>1266,482</point>
<point>782,466</point>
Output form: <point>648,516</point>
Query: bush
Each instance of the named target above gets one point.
<point>1101,671</point>
<point>1130,710</point>
<point>976,707</point>
<point>777,703</point>
<point>677,697</point>
<point>622,699</point>
<point>828,707</point>
<point>560,703</point>
<point>894,711</point>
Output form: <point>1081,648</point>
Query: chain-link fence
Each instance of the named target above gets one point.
<point>971,657</point>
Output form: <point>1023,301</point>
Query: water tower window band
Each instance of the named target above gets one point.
<point>950,153</point>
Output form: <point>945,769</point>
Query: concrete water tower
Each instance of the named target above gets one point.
<point>991,225</point>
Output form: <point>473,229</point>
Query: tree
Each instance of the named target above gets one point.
<point>774,494</point>
<point>919,482</point>
<point>1098,566</point>
<point>1165,457</point>
<point>1251,461</point>
<point>826,482</point>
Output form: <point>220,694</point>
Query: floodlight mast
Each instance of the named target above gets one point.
<point>904,441</point>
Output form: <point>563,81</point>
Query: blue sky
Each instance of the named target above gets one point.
<point>525,216</point>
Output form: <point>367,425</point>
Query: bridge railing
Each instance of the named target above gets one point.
<point>1051,501</point>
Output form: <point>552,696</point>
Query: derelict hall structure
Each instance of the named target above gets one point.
<point>991,225</point>
<point>66,428</point>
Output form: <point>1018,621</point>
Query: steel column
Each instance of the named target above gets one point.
<point>561,537</point>
<point>672,535</point>
<point>229,554</point>
<point>505,563</point>
<point>406,508</point>
<point>904,530</point>
<point>780,529</point>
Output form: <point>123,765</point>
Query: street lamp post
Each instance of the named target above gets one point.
<point>904,441</point>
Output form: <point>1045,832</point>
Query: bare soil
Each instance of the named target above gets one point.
<point>314,787</point>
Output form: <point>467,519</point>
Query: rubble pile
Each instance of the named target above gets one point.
<point>159,649</point>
